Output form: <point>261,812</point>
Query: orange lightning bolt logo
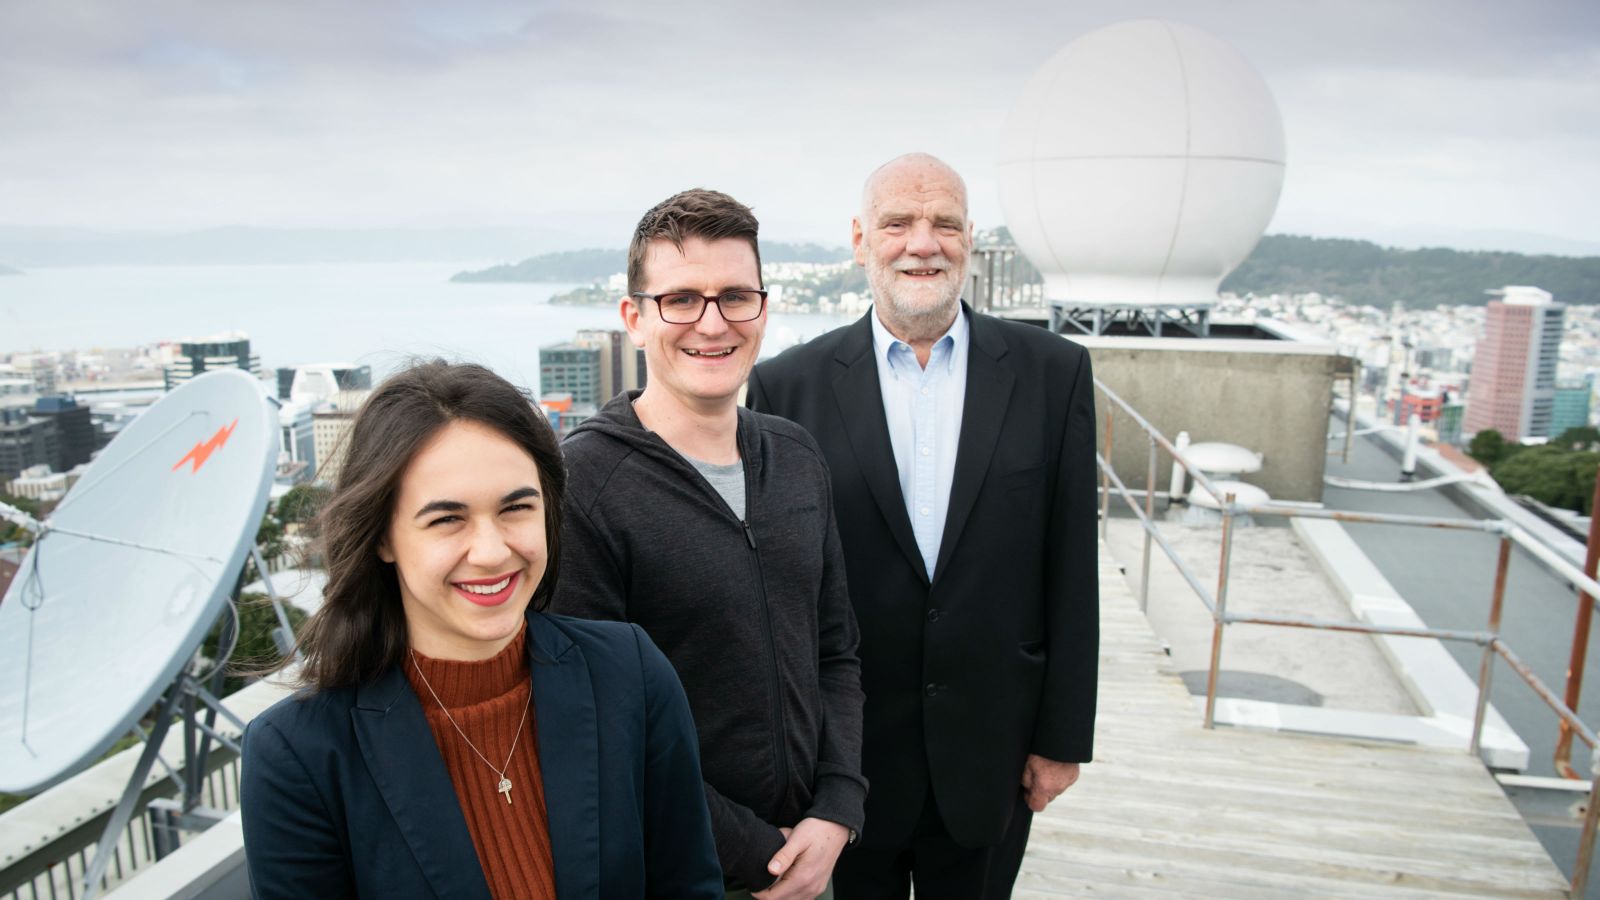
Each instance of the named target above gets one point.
<point>203,450</point>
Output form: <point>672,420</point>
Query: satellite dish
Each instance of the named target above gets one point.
<point>1243,494</point>
<point>1216,457</point>
<point>128,575</point>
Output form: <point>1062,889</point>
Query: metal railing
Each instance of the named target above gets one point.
<point>57,867</point>
<point>1217,602</point>
<point>1002,278</point>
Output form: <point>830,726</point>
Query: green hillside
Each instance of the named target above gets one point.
<point>1363,272</point>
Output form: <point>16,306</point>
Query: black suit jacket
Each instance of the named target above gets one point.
<point>996,656</point>
<point>344,792</point>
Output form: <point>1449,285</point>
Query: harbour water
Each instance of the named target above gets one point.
<point>373,314</point>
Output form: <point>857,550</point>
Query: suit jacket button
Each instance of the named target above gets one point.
<point>932,689</point>
<point>933,615</point>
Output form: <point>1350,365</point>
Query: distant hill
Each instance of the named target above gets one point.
<point>6,270</point>
<point>595,265</point>
<point>568,265</point>
<point>1363,272</point>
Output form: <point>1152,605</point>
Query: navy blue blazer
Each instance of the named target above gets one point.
<point>344,792</point>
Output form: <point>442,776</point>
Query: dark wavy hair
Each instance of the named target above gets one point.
<point>708,215</point>
<point>360,630</point>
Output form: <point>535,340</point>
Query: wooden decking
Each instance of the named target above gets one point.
<point>1169,809</point>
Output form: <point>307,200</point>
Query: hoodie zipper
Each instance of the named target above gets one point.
<point>780,756</point>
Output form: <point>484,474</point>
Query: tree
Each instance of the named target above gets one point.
<point>302,503</point>
<point>1488,447</point>
<point>254,648</point>
<point>1551,474</point>
<point>269,537</point>
<point>1583,437</point>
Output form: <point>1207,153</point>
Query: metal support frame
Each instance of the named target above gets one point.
<point>1099,318</point>
<point>195,702</point>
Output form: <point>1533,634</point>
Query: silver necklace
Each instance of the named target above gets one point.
<point>504,787</point>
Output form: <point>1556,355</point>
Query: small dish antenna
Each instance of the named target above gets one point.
<point>105,618</point>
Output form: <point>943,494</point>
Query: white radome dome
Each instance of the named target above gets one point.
<point>1141,165</point>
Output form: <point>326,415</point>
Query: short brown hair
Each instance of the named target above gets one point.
<point>709,215</point>
<point>359,632</point>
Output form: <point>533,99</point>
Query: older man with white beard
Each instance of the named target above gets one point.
<point>961,448</point>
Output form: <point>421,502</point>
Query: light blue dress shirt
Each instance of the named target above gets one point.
<point>923,408</point>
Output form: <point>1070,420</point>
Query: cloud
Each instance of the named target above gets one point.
<point>177,114</point>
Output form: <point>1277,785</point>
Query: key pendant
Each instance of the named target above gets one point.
<point>505,788</point>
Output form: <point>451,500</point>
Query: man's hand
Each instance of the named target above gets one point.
<point>804,864</point>
<point>1044,780</point>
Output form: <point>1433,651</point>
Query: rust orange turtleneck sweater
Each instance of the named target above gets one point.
<point>487,699</point>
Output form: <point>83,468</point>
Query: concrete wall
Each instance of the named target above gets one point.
<point>1273,397</point>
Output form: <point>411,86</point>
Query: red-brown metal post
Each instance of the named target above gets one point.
<point>1486,668</point>
<point>1591,824</point>
<point>1580,640</point>
<point>1219,615</point>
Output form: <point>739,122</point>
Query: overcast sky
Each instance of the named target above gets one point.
<point>116,114</point>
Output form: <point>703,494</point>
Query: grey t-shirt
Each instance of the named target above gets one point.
<point>728,480</point>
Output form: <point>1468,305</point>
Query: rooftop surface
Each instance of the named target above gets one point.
<point>1169,808</point>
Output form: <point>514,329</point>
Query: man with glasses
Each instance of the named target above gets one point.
<point>711,527</point>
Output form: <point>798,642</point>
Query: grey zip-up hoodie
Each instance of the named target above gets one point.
<point>753,612</point>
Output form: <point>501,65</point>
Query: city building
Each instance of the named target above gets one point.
<point>38,483</point>
<point>17,389</point>
<point>571,368</point>
<point>1514,367</point>
<point>1448,425</point>
<point>563,413</point>
<point>25,442</point>
<point>297,444</point>
<point>621,363</point>
<point>75,431</point>
<point>198,356</point>
<point>39,369</point>
<point>328,427</point>
<point>320,381</point>
<point>1424,403</point>
<point>1571,405</point>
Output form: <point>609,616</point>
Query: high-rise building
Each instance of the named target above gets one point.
<point>570,368</point>
<point>328,428</point>
<point>297,440</point>
<point>621,363</point>
<point>1514,368</point>
<point>1571,406</point>
<point>223,351</point>
<point>25,441</point>
<point>75,433</point>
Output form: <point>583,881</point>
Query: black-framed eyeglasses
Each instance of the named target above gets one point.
<point>687,307</point>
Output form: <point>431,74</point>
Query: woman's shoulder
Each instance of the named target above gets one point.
<point>305,715</point>
<point>622,645</point>
<point>589,633</point>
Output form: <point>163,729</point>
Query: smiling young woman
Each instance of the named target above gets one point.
<point>451,739</point>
